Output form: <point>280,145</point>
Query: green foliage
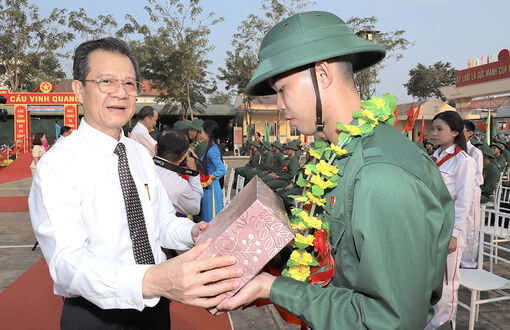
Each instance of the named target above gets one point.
<point>221,98</point>
<point>424,81</point>
<point>31,45</point>
<point>242,60</point>
<point>173,51</point>
<point>394,42</point>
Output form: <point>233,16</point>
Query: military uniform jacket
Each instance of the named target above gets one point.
<point>289,167</point>
<point>254,159</point>
<point>501,161</point>
<point>391,219</point>
<point>491,175</point>
<point>265,161</point>
<point>278,159</point>
<point>506,154</point>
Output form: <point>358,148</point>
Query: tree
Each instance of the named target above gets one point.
<point>221,98</point>
<point>174,54</point>
<point>394,43</point>
<point>242,60</point>
<point>424,81</point>
<point>31,45</point>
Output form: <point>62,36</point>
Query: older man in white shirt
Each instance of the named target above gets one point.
<point>184,192</point>
<point>147,118</point>
<point>101,215</point>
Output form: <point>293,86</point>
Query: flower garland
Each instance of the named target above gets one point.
<point>321,177</point>
<point>195,144</point>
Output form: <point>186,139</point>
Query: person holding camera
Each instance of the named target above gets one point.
<point>184,191</point>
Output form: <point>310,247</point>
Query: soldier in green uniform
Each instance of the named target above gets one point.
<point>254,159</point>
<point>391,215</point>
<point>498,154</point>
<point>505,152</point>
<point>181,126</point>
<point>194,131</point>
<point>491,174</point>
<point>430,146</point>
<point>287,170</point>
<point>265,162</point>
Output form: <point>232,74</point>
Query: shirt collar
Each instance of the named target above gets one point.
<point>104,143</point>
<point>468,144</point>
<point>449,150</point>
<point>142,126</point>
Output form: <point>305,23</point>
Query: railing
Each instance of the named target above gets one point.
<point>17,148</point>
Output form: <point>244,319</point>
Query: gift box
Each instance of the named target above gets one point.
<point>253,227</point>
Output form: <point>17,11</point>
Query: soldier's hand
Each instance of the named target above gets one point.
<point>258,288</point>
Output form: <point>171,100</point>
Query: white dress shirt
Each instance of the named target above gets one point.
<point>477,155</point>
<point>185,196</point>
<point>459,177</point>
<point>79,218</point>
<point>140,134</point>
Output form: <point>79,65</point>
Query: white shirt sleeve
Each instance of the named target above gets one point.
<point>144,138</point>
<point>185,196</point>
<point>57,222</point>
<point>464,191</point>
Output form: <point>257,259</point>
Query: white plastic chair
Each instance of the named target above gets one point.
<point>237,150</point>
<point>240,184</point>
<point>479,280</point>
<point>229,184</point>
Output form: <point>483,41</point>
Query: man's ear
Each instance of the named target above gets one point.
<point>324,71</point>
<point>77,87</point>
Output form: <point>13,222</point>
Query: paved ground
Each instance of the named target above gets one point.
<point>17,238</point>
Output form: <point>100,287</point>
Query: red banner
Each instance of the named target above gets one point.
<point>39,98</point>
<point>487,72</point>
<point>71,116</point>
<point>21,124</point>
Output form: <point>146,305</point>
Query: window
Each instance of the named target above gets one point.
<point>436,108</point>
<point>272,129</point>
<point>294,131</point>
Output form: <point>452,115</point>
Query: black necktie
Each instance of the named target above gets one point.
<point>136,221</point>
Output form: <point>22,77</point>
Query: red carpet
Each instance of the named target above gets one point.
<point>19,169</point>
<point>29,303</point>
<point>14,204</point>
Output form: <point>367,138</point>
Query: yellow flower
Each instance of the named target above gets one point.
<point>315,199</point>
<point>378,103</point>
<point>314,153</point>
<point>301,257</point>
<point>303,215</point>
<point>300,272</point>
<point>300,226</point>
<point>339,151</point>
<point>353,130</point>
<point>326,169</point>
<point>303,199</point>
<point>316,179</point>
<point>308,239</point>
<point>308,171</point>
<point>368,114</point>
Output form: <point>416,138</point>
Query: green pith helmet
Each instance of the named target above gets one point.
<point>429,142</point>
<point>503,144</point>
<point>180,125</point>
<point>255,143</point>
<point>195,124</point>
<point>498,145</point>
<point>294,145</point>
<point>474,141</point>
<point>487,151</point>
<point>266,145</point>
<point>306,38</point>
<point>277,144</point>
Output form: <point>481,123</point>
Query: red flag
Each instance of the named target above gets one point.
<point>410,119</point>
<point>422,126</point>
<point>482,126</point>
<point>416,114</point>
<point>183,118</point>
<point>503,125</point>
<point>396,117</point>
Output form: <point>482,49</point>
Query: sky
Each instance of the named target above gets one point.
<point>441,30</point>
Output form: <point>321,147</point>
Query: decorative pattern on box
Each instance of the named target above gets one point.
<point>254,227</point>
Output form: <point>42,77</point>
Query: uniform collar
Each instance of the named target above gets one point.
<point>104,143</point>
<point>468,144</point>
<point>449,150</point>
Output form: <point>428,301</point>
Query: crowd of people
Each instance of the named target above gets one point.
<point>396,222</point>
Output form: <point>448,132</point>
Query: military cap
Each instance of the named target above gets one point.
<point>487,151</point>
<point>195,124</point>
<point>429,142</point>
<point>267,145</point>
<point>306,38</point>
<point>180,125</point>
<point>255,143</point>
<point>497,144</point>
<point>294,145</point>
<point>277,144</point>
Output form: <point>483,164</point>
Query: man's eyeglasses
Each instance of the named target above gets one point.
<point>110,85</point>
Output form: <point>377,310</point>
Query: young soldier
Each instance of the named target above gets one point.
<point>391,216</point>
<point>288,168</point>
<point>254,159</point>
<point>265,162</point>
<point>498,154</point>
<point>194,130</point>
<point>490,174</point>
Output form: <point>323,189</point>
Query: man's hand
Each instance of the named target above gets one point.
<point>453,245</point>
<point>258,288</point>
<point>197,229</point>
<point>289,186</point>
<point>191,163</point>
<point>190,281</point>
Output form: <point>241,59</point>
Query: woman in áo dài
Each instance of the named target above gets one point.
<point>212,165</point>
